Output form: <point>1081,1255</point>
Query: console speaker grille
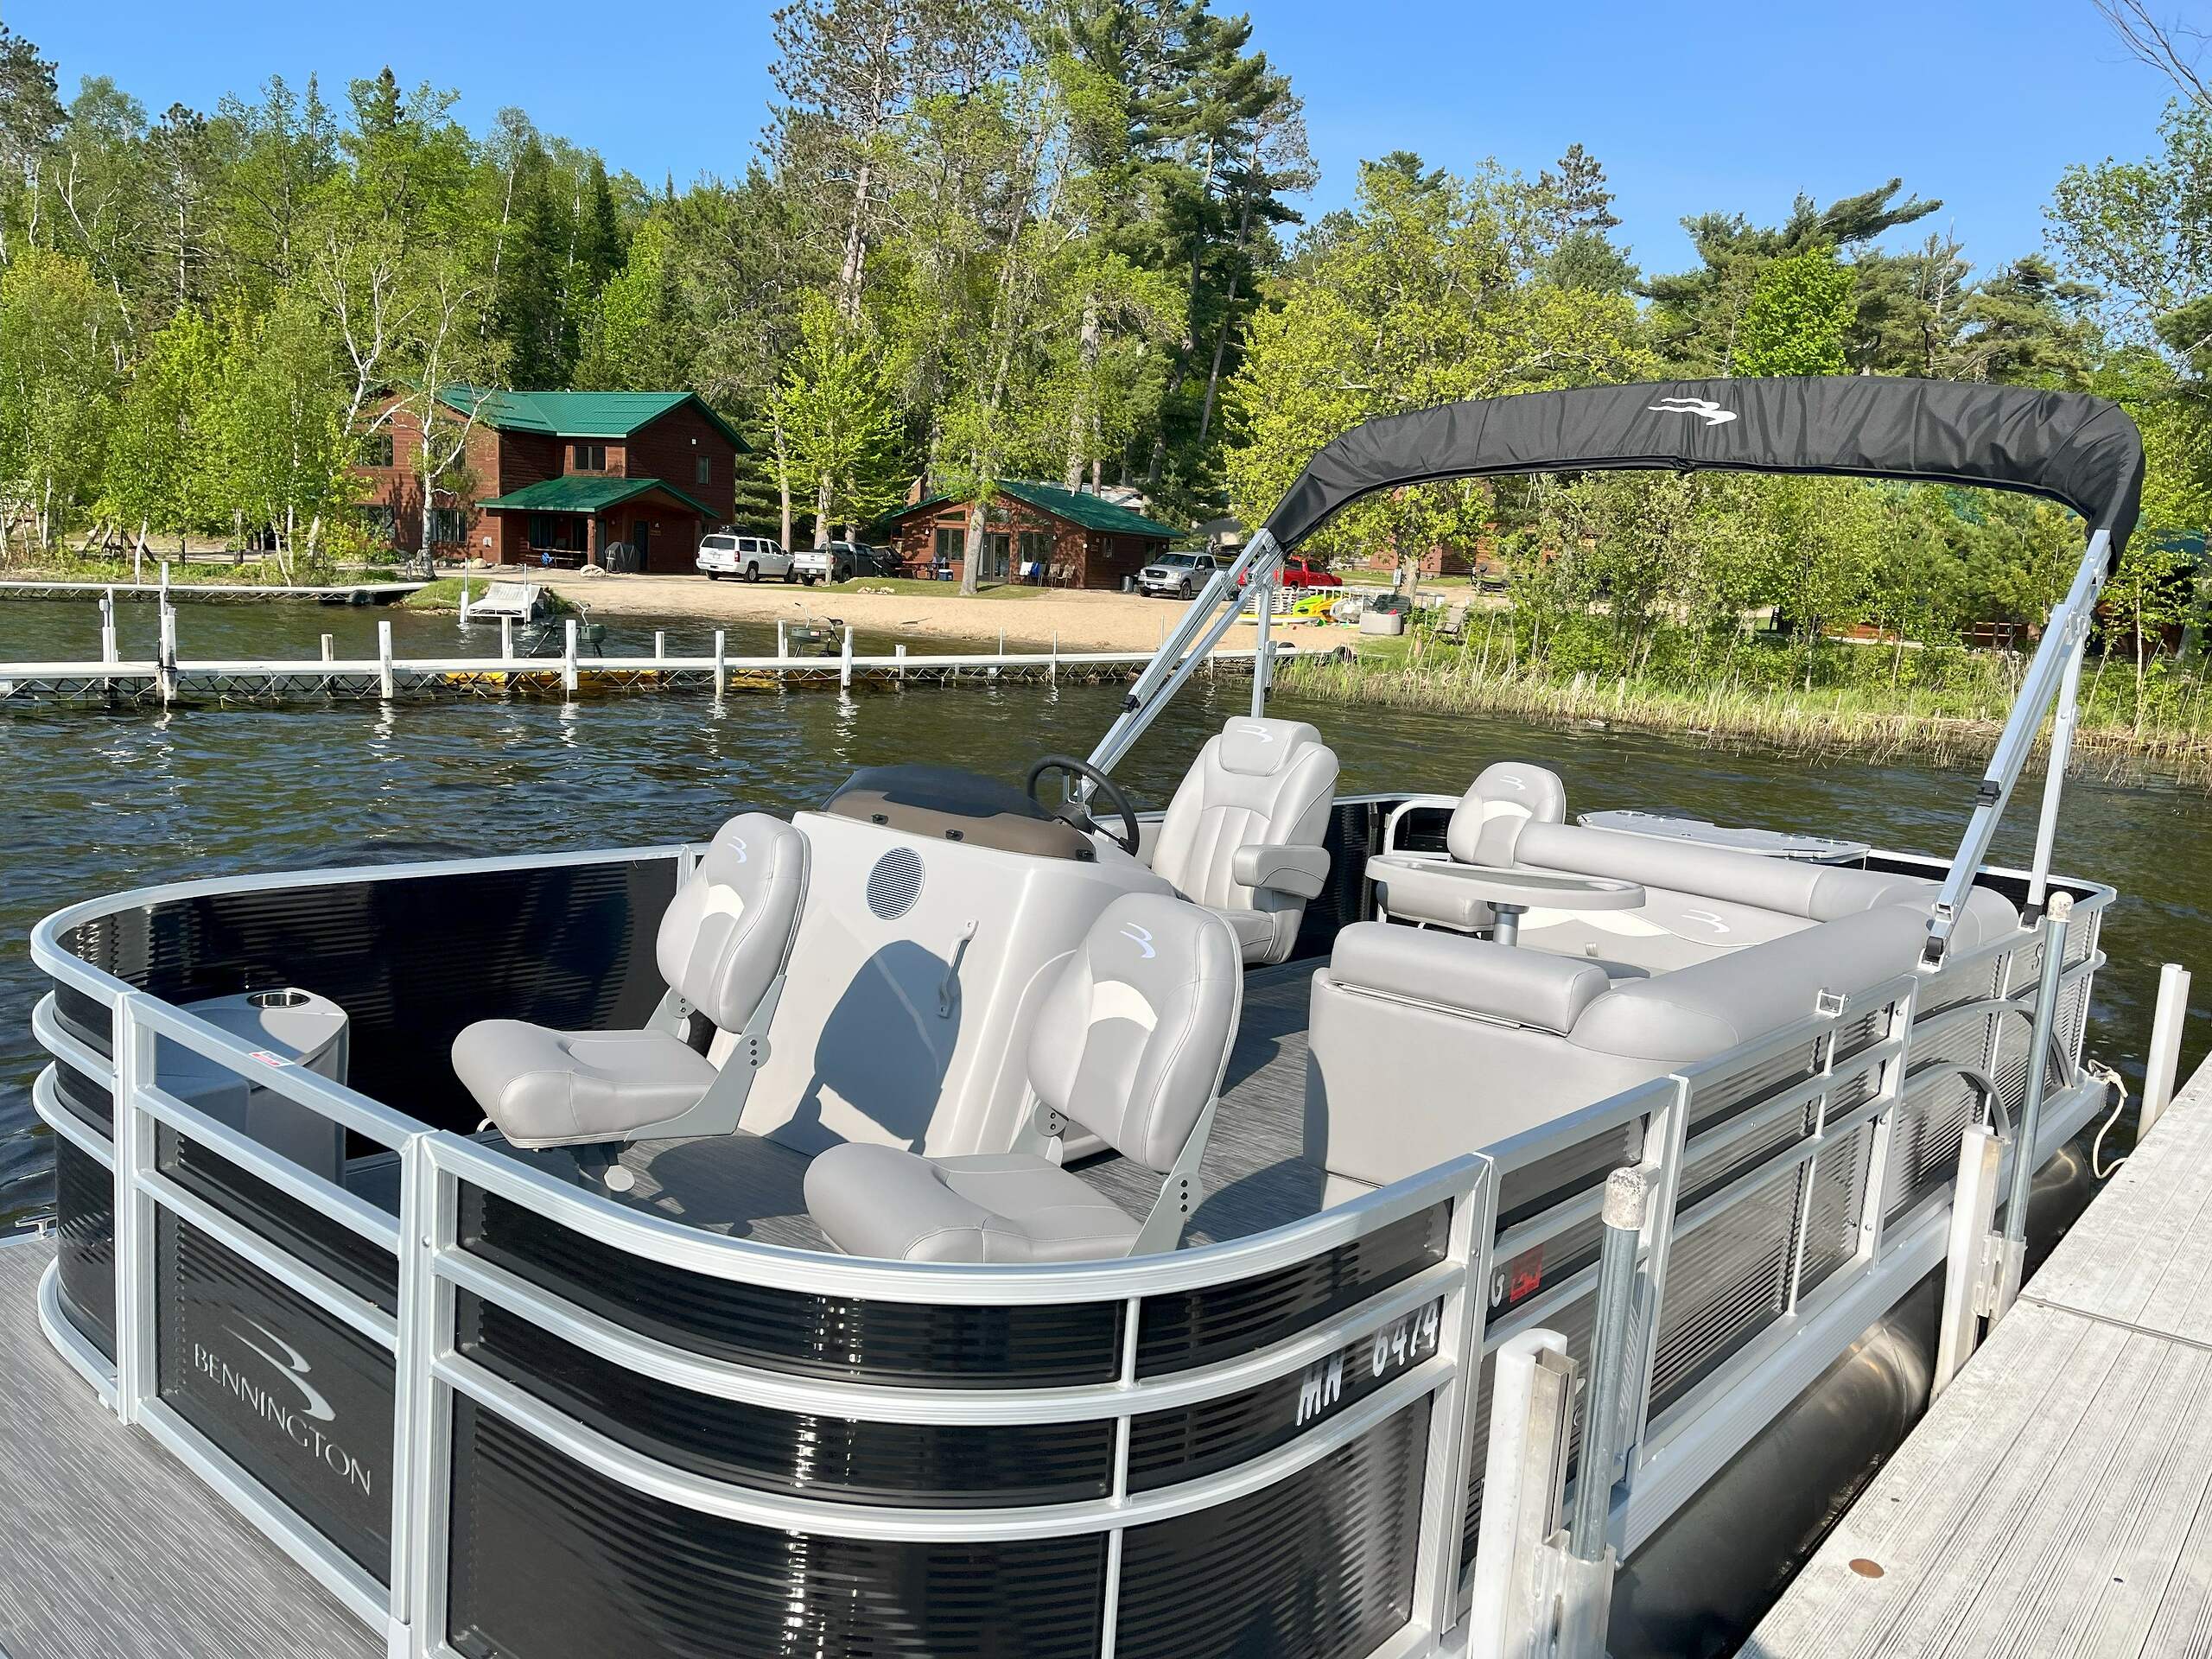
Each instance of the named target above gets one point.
<point>894,883</point>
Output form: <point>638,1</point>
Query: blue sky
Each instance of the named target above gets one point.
<point>1714,104</point>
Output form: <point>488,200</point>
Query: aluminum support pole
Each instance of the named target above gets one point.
<point>2053,781</point>
<point>1263,596</point>
<point>2023,1144</point>
<point>2037,688</point>
<point>1172,661</point>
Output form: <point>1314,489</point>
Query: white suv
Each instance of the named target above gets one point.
<point>724,554</point>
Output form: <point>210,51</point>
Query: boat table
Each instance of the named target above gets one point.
<point>1510,893</point>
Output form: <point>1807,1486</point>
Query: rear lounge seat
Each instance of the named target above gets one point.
<point>1701,903</point>
<point>1426,1045</point>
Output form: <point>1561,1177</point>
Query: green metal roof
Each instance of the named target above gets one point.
<point>587,493</point>
<point>1077,506</point>
<point>578,414</point>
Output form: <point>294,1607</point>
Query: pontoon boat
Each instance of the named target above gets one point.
<point>975,1217</point>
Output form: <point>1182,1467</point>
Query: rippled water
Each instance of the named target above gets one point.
<point>99,801</point>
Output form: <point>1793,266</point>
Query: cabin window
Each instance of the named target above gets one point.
<point>448,526</point>
<point>706,469</point>
<point>949,545</point>
<point>587,457</point>
<point>381,523</point>
<point>376,448</point>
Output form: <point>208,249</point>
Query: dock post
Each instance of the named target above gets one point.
<point>1052,674</point>
<point>2165,1047</point>
<point>329,655</point>
<point>568,656</point>
<point>165,652</point>
<point>899,651</point>
<point>464,602</point>
<point>660,645</point>
<point>108,653</point>
<point>1531,1418</point>
<point>721,675</point>
<point>845,660</point>
<point>507,641</point>
<point>2014,1267</point>
<point>1970,1255</point>
<point>783,648</point>
<point>385,684</point>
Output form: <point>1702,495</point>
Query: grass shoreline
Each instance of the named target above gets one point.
<point>1826,722</point>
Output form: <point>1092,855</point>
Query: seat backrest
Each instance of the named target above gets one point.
<point>1818,893</point>
<point>726,934</point>
<point>1132,1038</point>
<point>1508,792</point>
<point>1258,783</point>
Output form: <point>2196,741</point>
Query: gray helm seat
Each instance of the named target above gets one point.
<point>1502,798</point>
<point>1243,833</point>
<point>1129,1042</point>
<point>722,948</point>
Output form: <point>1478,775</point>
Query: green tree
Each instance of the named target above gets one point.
<point>156,474</point>
<point>57,386</point>
<point>1408,299</point>
<point>284,448</point>
<point>839,432</point>
<point>638,335</point>
<point>1796,319</point>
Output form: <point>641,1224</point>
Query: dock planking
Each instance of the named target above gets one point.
<point>2058,1498</point>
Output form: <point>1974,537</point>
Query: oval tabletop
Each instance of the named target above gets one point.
<point>1528,889</point>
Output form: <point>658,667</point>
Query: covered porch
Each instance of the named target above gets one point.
<point>620,524</point>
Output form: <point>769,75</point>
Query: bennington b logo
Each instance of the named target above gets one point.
<point>1140,938</point>
<point>1704,408</point>
<point>292,1362</point>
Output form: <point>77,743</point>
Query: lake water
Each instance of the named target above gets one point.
<point>100,801</point>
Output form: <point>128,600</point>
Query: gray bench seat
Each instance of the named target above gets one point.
<point>1425,1044</point>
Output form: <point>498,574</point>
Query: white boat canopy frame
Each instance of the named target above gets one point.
<point>2081,451</point>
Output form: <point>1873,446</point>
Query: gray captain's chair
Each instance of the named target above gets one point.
<point>1485,820</point>
<point>722,949</point>
<point>1129,1042</point>
<point>1243,833</point>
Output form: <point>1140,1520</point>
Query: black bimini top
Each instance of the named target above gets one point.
<point>2079,450</point>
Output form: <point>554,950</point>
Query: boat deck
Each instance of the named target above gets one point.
<point>2058,1498</point>
<point>1254,1177</point>
<point>111,1549</point>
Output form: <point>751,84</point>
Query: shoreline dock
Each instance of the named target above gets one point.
<point>2057,1497</point>
<point>112,683</point>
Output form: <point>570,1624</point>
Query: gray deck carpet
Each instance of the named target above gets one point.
<point>747,1187</point>
<point>109,1547</point>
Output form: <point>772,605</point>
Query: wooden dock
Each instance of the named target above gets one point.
<point>2057,1499</point>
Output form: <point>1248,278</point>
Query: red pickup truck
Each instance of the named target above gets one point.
<point>1302,573</point>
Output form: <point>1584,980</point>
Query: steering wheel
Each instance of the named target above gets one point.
<point>1074,812</point>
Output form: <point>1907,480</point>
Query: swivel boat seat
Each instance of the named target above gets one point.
<point>1502,798</point>
<point>1130,1042</point>
<point>722,947</point>
<point>1243,833</point>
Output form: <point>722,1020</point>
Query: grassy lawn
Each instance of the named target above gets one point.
<point>930,589</point>
<point>262,572</point>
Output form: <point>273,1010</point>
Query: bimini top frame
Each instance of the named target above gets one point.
<point>2080,451</point>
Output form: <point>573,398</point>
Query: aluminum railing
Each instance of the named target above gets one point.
<point>1784,1148</point>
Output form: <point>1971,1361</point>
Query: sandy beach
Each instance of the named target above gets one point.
<point>1080,621</point>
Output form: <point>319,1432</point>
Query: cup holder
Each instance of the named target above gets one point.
<point>287,998</point>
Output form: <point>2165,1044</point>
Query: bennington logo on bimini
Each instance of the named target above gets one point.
<point>296,1423</point>
<point>1704,408</point>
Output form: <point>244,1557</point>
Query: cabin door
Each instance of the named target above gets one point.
<point>640,530</point>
